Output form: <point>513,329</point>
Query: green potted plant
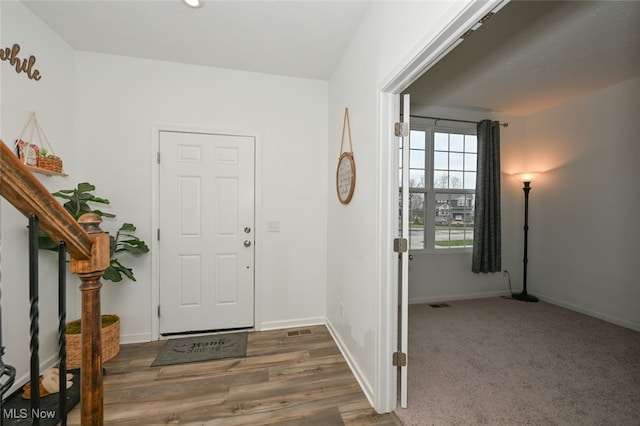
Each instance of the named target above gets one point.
<point>124,241</point>
<point>78,202</point>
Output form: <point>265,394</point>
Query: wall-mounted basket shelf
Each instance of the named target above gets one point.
<point>37,158</point>
<point>45,171</point>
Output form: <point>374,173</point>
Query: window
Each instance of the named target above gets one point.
<point>442,183</point>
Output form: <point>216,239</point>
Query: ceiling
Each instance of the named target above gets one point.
<point>531,55</point>
<point>291,38</point>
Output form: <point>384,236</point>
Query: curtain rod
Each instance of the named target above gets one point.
<point>451,119</point>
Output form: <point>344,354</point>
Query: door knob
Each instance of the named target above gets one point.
<point>247,243</point>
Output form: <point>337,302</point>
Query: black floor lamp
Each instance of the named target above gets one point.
<point>526,178</point>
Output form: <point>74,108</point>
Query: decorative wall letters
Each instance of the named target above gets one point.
<point>21,65</point>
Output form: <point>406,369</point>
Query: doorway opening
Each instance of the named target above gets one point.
<point>393,324</point>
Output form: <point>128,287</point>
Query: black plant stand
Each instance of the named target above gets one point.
<point>524,296</point>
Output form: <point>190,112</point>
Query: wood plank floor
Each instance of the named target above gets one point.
<point>284,380</point>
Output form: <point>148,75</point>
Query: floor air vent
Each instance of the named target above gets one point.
<point>293,333</point>
<point>439,305</point>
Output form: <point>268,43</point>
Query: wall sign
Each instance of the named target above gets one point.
<point>346,172</point>
<point>21,65</point>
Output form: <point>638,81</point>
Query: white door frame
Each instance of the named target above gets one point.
<point>417,63</point>
<point>155,216</point>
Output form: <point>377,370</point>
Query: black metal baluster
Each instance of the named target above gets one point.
<point>33,315</point>
<point>62,328</point>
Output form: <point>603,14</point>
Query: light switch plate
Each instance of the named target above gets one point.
<point>273,226</point>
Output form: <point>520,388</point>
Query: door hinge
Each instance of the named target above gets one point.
<point>400,245</point>
<point>402,130</point>
<point>158,234</point>
<point>158,157</point>
<point>158,311</point>
<point>486,17</point>
<point>399,359</point>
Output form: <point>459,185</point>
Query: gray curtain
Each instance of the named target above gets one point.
<point>487,245</point>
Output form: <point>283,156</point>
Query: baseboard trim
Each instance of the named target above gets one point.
<point>360,378</point>
<point>135,338</point>
<point>417,300</point>
<point>614,320</point>
<point>270,325</point>
<point>299,322</point>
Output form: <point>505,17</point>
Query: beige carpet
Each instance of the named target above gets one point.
<point>501,362</point>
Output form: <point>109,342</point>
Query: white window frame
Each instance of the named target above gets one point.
<point>429,191</point>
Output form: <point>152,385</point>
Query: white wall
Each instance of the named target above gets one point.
<point>581,238</point>
<point>53,100</point>
<point>120,99</point>
<point>573,259</point>
<point>584,210</point>
<point>388,38</point>
<point>447,276</point>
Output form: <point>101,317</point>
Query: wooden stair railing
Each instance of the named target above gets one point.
<point>88,247</point>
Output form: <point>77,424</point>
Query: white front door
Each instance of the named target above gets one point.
<point>206,218</point>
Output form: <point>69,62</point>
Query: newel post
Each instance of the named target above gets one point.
<point>90,271</point>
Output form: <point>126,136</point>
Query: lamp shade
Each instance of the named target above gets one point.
<point>527,176</point>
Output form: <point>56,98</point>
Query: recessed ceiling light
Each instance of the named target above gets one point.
<point>193,3</point>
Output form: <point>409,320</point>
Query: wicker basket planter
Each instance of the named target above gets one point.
<point>53,164</point>
<point>110,340</point>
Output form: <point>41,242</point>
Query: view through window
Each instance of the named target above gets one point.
<point>442,182</point>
